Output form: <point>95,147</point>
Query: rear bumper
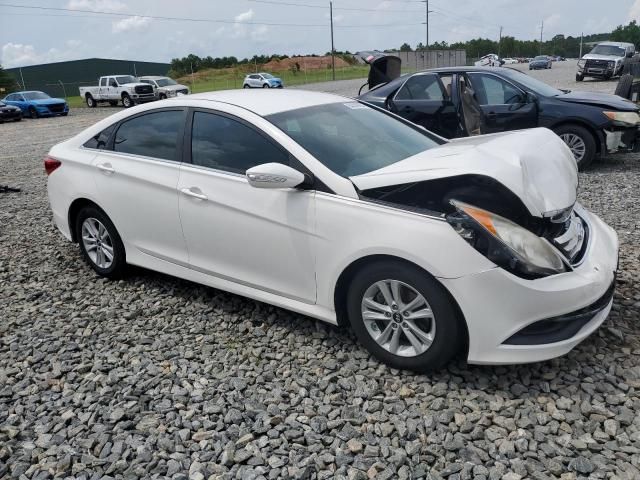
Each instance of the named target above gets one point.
<point>499,307</point>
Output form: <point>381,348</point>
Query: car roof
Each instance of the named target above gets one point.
<point>616,44</point>
<point>467,69</point>
<point>27,91</point>
<point>153,77</point>
<point>267,101</point>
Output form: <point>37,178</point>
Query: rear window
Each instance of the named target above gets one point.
<point>152,135</point>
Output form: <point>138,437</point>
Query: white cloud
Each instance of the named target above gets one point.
<point>244,16</point>
<point>634,12</point>
<point>100,5</point>
<point>130,24</point>
<point>20,55</point>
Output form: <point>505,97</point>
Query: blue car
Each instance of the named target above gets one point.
<point>541,61</point>
<point>37,104</point>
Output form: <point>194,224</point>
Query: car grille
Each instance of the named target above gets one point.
<point>597,64</point>
<point>184,91</point>
<point>572,240</point>
<point>144,89</point>
<point>56,107</point>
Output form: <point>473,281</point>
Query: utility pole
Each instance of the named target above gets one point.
<point>500,41</point>
<point>581,36</point>
<point>426,22</point>
<point>541,29</point>
<point>333,58</point>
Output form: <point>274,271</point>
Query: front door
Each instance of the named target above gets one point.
<point>504,106</point>
<point>425,100</point>
<point>261,238</point>
<point>137,175</point>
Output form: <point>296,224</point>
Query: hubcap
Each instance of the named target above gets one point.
<point>97,242</point>
<point>398,318</point>
<point>575,144</point>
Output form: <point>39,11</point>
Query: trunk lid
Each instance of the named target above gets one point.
<point>534,164</point>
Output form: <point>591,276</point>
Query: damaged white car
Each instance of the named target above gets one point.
<point>344,212</point>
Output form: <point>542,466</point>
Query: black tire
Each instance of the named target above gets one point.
<point>113,103</point>
<point>19,119</point>
<point>126,101</point>
<point>623,89</point>
<point>118,266</point>
<point>587,138</point>
<point>64,114</point>
<point>245,86</point>
<point>449,335</point>
<point>579,77</point>
<point>162,96</point>
<point>91,103</point>
<point>266,85</point>
<point>33,113</point>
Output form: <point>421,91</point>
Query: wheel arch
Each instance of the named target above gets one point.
<point>594,131</point>
<point>344,279</point>
<point>74,209</point>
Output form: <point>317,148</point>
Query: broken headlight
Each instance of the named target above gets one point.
<point>623,118</point>
<point>506,244</point>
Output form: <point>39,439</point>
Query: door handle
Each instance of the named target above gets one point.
<point>106,168</point>
<point>190,193</point>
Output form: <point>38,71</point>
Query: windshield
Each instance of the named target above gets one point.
<point>267,75</point>
<point>351,138</point>
<point>125,79</point>
<point>163,82</point>
<point>35,96</point>
<point>531,83</point>
<point>608,50</point>
<point>540,57</point>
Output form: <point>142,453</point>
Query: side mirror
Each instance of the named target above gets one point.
<point>532,98</point>
<point>274,175</point>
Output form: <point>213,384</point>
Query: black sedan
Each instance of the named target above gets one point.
<point>541,61</point>
<point>463,101</point>
<point>9,113</point>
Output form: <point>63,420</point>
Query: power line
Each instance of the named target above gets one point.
<point>199,20</point>
<point>323,7</point>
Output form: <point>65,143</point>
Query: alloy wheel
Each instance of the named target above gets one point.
<point>576,145</point>
<point>398,318</point>
<point>97,242</point>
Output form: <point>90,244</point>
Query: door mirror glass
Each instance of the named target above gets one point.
<point>274,175</point>
<point>532,97</point>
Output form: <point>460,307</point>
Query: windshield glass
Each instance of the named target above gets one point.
<point>540,57</point>
<point>35,96</point>
<point>531,83</point>
<point>163,82</point>
<point>125,79</point>
<point>267,75</point>
<point>351,138</point>
<point>608,50</point>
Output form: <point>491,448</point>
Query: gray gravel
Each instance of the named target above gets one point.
<point>157,377</point>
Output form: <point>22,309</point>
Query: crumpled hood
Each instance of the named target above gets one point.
<point>47,101</point>
<point>605,100</point>
<point>534,164</point>
<point>597,56</point>
<point>274,79</point>
<point>173,87</point>
<point>134,84</point>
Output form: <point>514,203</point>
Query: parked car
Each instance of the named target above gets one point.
<point>262,80</point>
<point>490,60</point>
<point>541,61</point>
<point>606,60</point>
<point>165,87</point>
<point>509,61</point>
<point>328,207</point>
<point>462,101</point>
<point>115,88</point>
<point>9,113</point>
<point>37,104</point>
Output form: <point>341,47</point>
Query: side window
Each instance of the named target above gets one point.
<point>10,98</point>
<point>447,81</point>
<point>151,135</point>
<point>222,143</point>
<point>100,140</point>
<point>491,90</point>
<point>103,82</point>
<point>421,87</point>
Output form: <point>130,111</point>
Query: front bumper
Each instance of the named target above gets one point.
<point>600,71</point>
<point>9,115</point>
<point>498,305</point>
<point>143,97</point>
<point>621,139</point>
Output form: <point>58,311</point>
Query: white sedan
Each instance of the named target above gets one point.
<point>328,207</point>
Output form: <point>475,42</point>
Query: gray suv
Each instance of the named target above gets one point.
<point>165,87</point>
<point>606,60</point>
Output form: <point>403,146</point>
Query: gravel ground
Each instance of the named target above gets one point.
<point>161,378</point>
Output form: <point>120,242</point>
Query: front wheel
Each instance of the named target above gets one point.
<point>33,113</point>
<point>403,316</point>
<point>579,77</point>
<point>91,103</point>
<point>126,101</point>
<point>245,86</point>
<point>266,85</point>
<point>100,243</point>
<point>580,142</point>
<point>162,96</point>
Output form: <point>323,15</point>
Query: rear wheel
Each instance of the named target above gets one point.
<point>91,103</point>
<point>403,316</point>
<point>33,113</point>
<point>126,101</point>
<point>580,142</point>
<point>100,243</point>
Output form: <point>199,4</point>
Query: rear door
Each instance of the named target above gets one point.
<point>504,105</point>
<point>424,99</point>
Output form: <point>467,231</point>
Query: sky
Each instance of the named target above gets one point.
<point>242,28</point>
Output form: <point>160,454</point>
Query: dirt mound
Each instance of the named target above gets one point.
<point>306,63</point>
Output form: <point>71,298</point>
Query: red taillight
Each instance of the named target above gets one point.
<point>50,164</point>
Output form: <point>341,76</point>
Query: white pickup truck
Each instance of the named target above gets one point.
<point>115,88</point>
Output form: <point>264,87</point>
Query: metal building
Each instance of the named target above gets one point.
<point>62,79</point>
